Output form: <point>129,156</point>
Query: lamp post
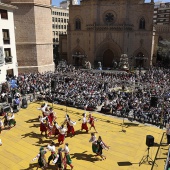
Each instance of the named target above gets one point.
<point>131,61</point>
<point>162,110</point>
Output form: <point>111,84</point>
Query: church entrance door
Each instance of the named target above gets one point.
<point>140,60</point>
<point>108,57</point>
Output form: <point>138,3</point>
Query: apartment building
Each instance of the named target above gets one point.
<point>8,58</point>
<point>161,13</point>
<point>60,17</point>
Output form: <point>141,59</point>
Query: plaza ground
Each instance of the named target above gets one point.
<point>21,144</point>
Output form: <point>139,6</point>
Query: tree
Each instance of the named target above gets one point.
<point>164,52</point>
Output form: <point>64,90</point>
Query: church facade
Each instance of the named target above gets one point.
<point>103,30</point>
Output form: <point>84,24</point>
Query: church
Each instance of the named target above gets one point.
<point>103,30</point>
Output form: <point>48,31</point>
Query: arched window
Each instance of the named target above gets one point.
<point>78,24</point>
<point>142,23</point>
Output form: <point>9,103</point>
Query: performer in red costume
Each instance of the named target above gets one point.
<point>84,123</point>
<point>91,121</point>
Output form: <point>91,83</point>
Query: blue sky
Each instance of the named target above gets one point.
<point>57,2</point>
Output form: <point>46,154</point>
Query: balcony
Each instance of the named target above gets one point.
<point>6,40</point>
<point>8,60</point>
<point>118,27</point>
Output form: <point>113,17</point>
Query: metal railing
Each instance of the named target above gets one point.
<point>167,160</point>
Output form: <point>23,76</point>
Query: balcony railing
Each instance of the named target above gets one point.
<point>118,27</point>
<point>8,60</point>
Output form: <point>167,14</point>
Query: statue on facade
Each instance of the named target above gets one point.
<point>123,64</point>
<point>114,64</point>
<point>87,65</point>
<point>99,66</point>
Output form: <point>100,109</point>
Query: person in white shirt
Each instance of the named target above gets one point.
<point>1,125</point>
<point>51,148</point>
<point>93,140</point>
<point>70,127</point>
<point>59,159</point>
<point>43,124</point>
<point>84,123</point>
<point>41,159</point>
<point>44,109</point>
<point>62,133</point>
<point>101,145</point>
<point>11,120</point>
<point>67,159</point>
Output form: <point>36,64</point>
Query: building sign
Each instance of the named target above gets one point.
<point>1,56</point>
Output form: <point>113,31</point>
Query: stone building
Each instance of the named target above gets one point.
<point>8,59</point>
<point>102,30</point>
<point>33,35</point>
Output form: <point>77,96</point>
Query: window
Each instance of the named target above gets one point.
<point>56,39</point>
<point>53,39</point>
<point>8,57</point>
<point>142,23</point>
<point>6,37</point>
<point>78,24</point>
<point>53,19</point>
<point>4,14</point>
<point>58,19</point>
<point>53,26</point>
<point>56,32</point>
<point>64,20</point>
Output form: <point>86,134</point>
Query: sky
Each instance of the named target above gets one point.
<point>57,2</point>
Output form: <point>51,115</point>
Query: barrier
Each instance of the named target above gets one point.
<point>167,164</point>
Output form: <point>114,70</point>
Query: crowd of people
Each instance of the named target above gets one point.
<point>92,89</point>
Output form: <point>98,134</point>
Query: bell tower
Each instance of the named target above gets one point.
<point>33,30</point>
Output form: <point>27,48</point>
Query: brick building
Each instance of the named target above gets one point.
<point>33,35</point>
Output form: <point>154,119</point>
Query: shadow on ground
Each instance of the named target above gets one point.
<point>39,137</point>
<point>32,120</point>
<point>85,157</point>
<point>34,165</point>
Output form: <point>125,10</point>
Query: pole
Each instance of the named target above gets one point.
<point>161,121</point>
